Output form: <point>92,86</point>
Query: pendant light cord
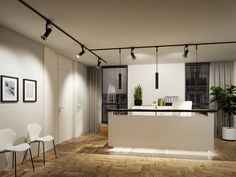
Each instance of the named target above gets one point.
<point>196,53</point>
<point>156,59</point>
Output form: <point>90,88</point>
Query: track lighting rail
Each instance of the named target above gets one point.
<point>167,45</point>
<point>60,29</point>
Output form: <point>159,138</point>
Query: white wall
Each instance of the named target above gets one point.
<point>171,81</point>
<point>82,125</point>
<point>22,58</point>
<point>50,93</point>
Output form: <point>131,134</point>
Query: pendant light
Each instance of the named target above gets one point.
<point>119,76</point>
<point>196,66</point>
<point>156,74</point>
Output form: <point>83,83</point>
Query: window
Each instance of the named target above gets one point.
<point>112,96</point>
<point>197,84</point>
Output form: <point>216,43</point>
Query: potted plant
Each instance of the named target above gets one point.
<point>226,101</point>
<point>138,95</point>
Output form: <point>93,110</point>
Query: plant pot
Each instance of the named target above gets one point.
<point>234,120</point>
<point>229,133</point>
<point>137,102</point>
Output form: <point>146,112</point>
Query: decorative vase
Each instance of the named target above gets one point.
<point>137,102</point>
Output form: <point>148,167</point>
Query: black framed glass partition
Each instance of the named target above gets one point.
<point>113,96</point>
<point>197,84</point>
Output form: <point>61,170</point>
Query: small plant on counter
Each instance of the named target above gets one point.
<point>138,95</point>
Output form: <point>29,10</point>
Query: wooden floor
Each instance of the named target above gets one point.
<point>88,156</point>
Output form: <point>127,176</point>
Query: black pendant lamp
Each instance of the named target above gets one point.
<point>119,76</point>
<point>157,74</point>
<point>196,66</point>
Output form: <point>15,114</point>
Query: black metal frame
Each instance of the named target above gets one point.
<point>60,29</point>
<point>165,45</point>
<point>113,66</point>
<point>2,85</point>
<point>196,63</point>
<point>14,159</point>
<point>24,80</point>
<point>44,161</point>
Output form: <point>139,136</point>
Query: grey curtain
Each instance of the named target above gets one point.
<point>94,103</point>
<point>221,74</point>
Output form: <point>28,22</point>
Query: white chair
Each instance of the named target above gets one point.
<point>34,131</point>
<point>7,137</point>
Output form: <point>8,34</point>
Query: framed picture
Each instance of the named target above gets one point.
<point>9,89</point>
<point>29,90</point>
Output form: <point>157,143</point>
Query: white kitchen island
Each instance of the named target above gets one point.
<point>194,132</point>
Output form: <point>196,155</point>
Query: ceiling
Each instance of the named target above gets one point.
<point>120,23</point>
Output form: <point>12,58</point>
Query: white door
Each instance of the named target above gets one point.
<point>65,100</point>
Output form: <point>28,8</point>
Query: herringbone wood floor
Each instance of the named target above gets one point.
<point>87,156</point>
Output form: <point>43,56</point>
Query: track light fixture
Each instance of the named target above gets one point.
<point>48,30</point>
<point>185,55</point>
<point>49,26</point>
<point>99,63</point>
<point>81,53</point>
<point>132,54</point>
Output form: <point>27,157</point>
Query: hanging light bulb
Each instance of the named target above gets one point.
<point>156,74</point>
<point>185,55</point>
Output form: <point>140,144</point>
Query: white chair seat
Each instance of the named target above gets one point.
<point>44,139</point>
<point>18,148</point>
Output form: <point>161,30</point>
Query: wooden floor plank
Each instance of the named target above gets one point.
<point>89,156</point>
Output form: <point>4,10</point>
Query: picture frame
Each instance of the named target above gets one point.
<point>9,89</point>
<point>29,90</point>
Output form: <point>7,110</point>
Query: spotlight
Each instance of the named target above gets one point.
<point>99,63</point>
<point>185,55</point>
<point>81,53</point>
<point>48,30</point>
<point>132,54</point>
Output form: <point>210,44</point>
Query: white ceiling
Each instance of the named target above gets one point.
<point>119,23</point>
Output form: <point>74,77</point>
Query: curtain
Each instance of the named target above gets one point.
<point>221,74</point>
<point>94,103</point>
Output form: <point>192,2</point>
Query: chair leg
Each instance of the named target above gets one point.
<point>24,157</point>
<point>15,163</point>
<point>54,148</point>
<point>13,158</point>
<point>38,148</point>
<point>31,159</point>
<point>43,153</point>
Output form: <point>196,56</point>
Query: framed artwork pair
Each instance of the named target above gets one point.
<point>10,89</point>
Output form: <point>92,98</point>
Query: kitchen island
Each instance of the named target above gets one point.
<point>192,132</point>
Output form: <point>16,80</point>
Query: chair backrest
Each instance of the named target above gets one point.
<point>7,137</point>
<point>34,131</point>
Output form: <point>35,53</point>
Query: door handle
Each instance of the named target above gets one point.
<point>60,108</point>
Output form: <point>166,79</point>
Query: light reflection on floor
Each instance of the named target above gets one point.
<point>162,153</point>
